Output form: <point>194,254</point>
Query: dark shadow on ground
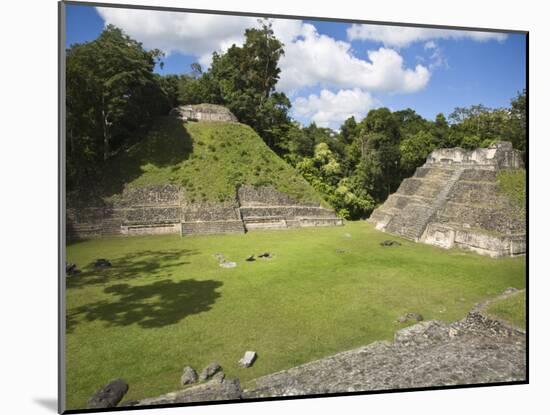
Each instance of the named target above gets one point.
<point>131,266</point>
<point>159,304</point>
<point>167,144</point>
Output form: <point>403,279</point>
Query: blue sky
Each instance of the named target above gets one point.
<point>333,70</point>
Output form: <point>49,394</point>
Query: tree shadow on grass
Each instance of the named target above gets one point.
<point>155,305</point>
<point>131,266</point>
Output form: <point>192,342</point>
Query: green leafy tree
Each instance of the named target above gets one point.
<point>244,79</point>
<point>379,166</point>
<point>415,150</point>
<point>518,121</point>
<point>111,93</point>
<point>440,130</point>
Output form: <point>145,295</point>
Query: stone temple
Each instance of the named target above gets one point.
<point>203,112</point>
<point>453,201</point>
<point>166,208</point>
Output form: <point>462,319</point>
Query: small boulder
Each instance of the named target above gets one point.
<point>218,377</point>
<point>248,359</point>
<point>228,264</point>
<point>102,263</point>
<point>71,269</point>
<point>390,242</point>
<point>109,395</point>
<point>189,376</point>
<point>347,235</point>
<point>210,371</point>
<point>219,257</point>
<point>410,316</point>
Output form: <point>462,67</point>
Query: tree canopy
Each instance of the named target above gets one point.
<point>113,95</point>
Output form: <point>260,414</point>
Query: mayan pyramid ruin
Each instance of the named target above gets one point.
<point>163,206</point>
<point>453,200</point>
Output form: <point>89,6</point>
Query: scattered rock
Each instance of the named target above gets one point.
<point>410,316</point>
<point>189,376</point>
<point>223,263</point>
<point>510,290</point>
<point>422,334</point>
<point>347,235</point>
<point>340,251</point>
<point>210,371</point>
<point>248,359</point>
<point>250,258</point>
<point>390,242</point>
<point>218,377</point>
<point>109,395</point>
<point>71,269</point>
<point>102,263</point>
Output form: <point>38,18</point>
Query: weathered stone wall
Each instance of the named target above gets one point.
<point>266,196</point>
<point>203,112</point>
<point>453,200</point>
<point>501,155</point>
<point>146,210</point>
<point>210,211</point>
<point>287,211</point>
<point>162,209</point>
<point>213,227</point>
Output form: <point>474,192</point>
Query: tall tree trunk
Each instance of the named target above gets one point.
<point>106,132</point>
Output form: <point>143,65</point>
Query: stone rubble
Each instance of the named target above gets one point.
<point>475,350</point>
<point>189,376</point>
<point>210,371</point>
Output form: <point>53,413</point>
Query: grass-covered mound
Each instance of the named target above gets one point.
<point>208,159</point>
<point>166,303</point>
<point>511,309</point>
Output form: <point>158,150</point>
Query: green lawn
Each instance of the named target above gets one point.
<point>511,309</point>
<point>166,303</point>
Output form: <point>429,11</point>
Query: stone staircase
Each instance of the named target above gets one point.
<point>410,216</point>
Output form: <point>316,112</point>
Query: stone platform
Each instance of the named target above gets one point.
<point>164,209</point>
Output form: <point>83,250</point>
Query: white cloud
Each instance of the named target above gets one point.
<point>399,36</point>
<point>310,58</point>
<point>188,33</point>
<point>329,109</point>
<point>318,59</point>
<point>430,45</point>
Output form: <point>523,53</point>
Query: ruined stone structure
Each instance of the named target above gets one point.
<point>164,209</point>
<point>203,112</point>
<point>478,349</point>
<point>453,200</point>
